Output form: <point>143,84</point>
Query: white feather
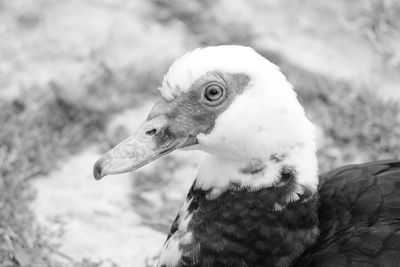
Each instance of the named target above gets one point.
<point>171,252</point>
<point>264,120</point>
<point>226,58</point>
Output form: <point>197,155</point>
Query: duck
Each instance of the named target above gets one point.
<point>258,198</point>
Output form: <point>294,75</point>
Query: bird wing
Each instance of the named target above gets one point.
<point>359,217</point>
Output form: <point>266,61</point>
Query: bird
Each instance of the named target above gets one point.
<point>257,199</point>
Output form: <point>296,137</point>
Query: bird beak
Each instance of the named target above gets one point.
<point>152,140</point>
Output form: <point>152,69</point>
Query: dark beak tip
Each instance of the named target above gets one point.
<point>97,170</point>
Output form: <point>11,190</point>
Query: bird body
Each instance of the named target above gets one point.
<point>256,200</point>
<point>353,220</point>
<point>359,214</point>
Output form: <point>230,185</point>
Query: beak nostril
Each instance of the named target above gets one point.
<point>97,171</point>
<point>151,132</point>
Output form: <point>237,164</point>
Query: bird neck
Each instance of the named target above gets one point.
<point>216,174</point>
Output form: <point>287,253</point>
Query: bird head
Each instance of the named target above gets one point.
<point>233,104</point>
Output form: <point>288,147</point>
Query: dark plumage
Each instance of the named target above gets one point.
<point>357,214</point>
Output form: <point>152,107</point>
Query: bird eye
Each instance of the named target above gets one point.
<point>213,93</point>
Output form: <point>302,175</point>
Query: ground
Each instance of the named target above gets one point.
<point>79,76</point>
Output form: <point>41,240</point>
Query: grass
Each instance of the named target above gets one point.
<point>161,177</point>
<point>205,24</point>
<point>110,90</point>
<point>381,26</point>
<point>35,137</point>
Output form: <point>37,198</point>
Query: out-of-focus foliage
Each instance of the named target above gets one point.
<point>381,22</point>
<point>157,214</point>
<point>40,131</point>
<point>204,21</point>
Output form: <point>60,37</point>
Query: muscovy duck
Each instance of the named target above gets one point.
<point>257,199</point>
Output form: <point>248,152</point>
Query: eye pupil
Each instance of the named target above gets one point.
<point>213,93</point>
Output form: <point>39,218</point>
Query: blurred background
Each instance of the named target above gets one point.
<point>77,76</point>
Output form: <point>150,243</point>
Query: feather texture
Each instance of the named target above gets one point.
<point>359,217</point>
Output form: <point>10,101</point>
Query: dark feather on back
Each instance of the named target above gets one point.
<point>359,217</point>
